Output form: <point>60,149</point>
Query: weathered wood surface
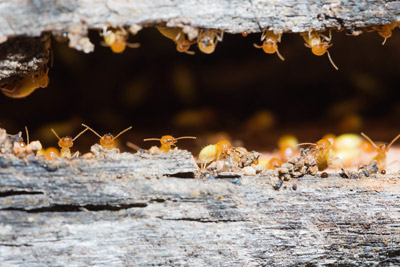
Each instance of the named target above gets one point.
<point>22,56</point>
<point>20,17</point>
<point>81,213</point>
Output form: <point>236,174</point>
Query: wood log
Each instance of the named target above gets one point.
<point>86,212</point>
<point>148,209</point>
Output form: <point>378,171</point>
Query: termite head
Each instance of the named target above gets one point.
<point>107,141</point>
<point>183,46</point>
<point>206,44</point>
<point>115,39</point>
<point>224,147</point>
<point>168,140</point>
<point>207,41</point>
<point>323,144</point>
<point>19,147</point>
<point>66,142</point>
<point>270,47</point>
<point>320,49</point>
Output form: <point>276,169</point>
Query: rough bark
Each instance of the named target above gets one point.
<point>20,17</point>
<point>106,212</point>
<point>74,18</point>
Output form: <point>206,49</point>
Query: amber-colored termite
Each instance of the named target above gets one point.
<point>66,143</point>
<point>274,163</point>
<point>167,141</point>
<point>222,149</point>
<point>386,30</point>
<point>107,140</point>
<point>270,44</point>
<point>26,86</point>
<point>322,153</point>
<point>179,37</point>
<point>319,44</point>
<point>208,40</point>
<point>381,151</point>
<point>116,39</point>
<point>20,148</point>
<point>31,146</point>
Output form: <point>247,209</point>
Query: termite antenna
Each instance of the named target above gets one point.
<point>394,140</point>
<point>384,41</point>
<point>79,134</point>
<point>127,129</point>
<point>54,132</point>
<point>369,140</point>
<point>257,46</point>
<point>151,139</point>
<point>330,59</point>
<point>306,144</point>
<point>279,55</point>
<point>186,137</point>
<point>88,128</point>
<point>133,146</point>
<point>27,135</point>
<point>133,45</point>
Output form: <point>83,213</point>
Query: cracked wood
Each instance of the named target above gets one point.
<point>19,17</point>
<point>81,215</point>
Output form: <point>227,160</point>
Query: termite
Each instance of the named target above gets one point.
<point>116,39</point>
<point>270,44</point>
<point>274,163</point>
<point>210,153</point>
<point>386,30</point>
<point>107,140</point>
<point>66,143</point>
<point>319,44</point>
<point>26,86</point>
<point>178,36</point>
<point>322,153</point>
<point>167,141</point>
<point>208,39</point>
<point>20,148</point>
<point>381,151</point>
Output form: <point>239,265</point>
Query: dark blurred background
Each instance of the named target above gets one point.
<point>238,91</point>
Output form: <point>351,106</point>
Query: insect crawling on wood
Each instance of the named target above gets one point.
<point>270,44</point>
<point>222,149</point>
<point>381,151</point>
<point>322,153</point>
<point>179,37</point>
<point>66,143</point>
<point>27,85</point>
<point>116,39</point>
<point>167,141</point>
<point>319,44</point>
<point>107,140</point>
<point>208,40</point>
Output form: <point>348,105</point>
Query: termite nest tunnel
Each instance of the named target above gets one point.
<point>236,92</point>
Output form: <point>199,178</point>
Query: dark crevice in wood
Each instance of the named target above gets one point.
<point>201,220</point>
<point>22,192</point>
<point>78,208</point>
<point>185,175</point>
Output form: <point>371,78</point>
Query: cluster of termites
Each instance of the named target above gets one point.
<point>206,40</point>
<point>329,152</point>
<point>292,160</point>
